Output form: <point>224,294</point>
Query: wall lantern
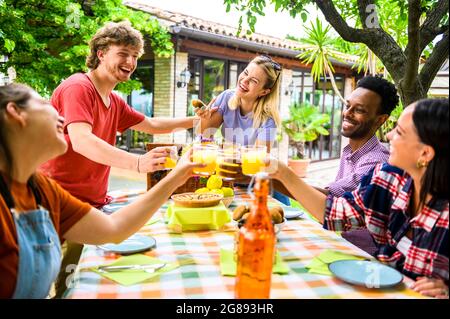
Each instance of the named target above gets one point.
<point>289,89</point>
<point>183,78</point>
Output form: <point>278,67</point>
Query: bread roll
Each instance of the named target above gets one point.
<point>275,215</point>
<point>239,212</point>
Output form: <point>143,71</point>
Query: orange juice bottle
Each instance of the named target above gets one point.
<point>256,247</point>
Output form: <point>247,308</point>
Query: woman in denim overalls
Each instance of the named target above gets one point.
<point>31,133</point>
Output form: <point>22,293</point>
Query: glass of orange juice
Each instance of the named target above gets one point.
<point>229,161</point>
<point>206,154</point>
<point>172,158</point>
<point>253,159</point>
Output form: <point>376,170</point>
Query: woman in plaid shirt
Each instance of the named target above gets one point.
<point>404,203</point>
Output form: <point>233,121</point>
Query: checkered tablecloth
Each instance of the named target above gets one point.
<point>298,243</point>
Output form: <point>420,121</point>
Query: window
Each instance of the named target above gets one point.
<point>322,95</point>
<point>213,79</point>
<point>209,78</point>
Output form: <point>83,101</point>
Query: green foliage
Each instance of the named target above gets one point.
<point>305,124</point>
<point>252,8</point>
<point>390,123</point>
<point>319,53</point>
<point>392,16</point>
<point>47,41</point>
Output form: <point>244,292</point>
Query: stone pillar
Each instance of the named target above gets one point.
<point>180,95</point>
<point>169,99</point>
<point>163,93</point>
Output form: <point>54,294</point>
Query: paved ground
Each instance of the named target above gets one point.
<point>319,174</point>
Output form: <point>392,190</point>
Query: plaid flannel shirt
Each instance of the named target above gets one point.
<point>380,203</point>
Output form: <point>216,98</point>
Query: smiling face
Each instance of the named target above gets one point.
<point>405,146</point>
<point>43,122</point>
<point>119,62</point>
<point>361,116</point>
<point>251,83</point>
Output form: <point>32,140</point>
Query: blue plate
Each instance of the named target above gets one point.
<point>369,274</point>
<point>132,245</point>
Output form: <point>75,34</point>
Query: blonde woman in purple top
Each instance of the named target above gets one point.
<point>249,113</point>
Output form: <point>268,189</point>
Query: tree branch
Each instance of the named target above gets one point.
<point>381,43</point>
<point>430,29</point>
<point>335,19</point>
<point>434,62</point>
<point>413,56</point>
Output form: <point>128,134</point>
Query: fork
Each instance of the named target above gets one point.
<point>150,268</point>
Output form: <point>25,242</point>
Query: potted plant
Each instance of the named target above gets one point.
<point>305,124</point>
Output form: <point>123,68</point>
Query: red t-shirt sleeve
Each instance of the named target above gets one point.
<point>77,103</point>
<point>128,116</point>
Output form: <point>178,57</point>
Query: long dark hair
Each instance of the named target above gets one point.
<point>18,94</point>
<point>430,118</point>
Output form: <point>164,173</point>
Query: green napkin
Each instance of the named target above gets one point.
<point>152,221</point>
<point>185,218</point>
<point>132,277</point>
<point>319,265</point>
<point>228,264</point>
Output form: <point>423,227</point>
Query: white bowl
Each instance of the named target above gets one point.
<point>279,226</point>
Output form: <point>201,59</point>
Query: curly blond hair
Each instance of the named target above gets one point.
<point>113,33</point>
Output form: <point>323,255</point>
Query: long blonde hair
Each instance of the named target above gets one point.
<point>266,106</point>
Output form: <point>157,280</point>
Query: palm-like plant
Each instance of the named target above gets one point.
<point>304,124</point>
<point>319,53</point>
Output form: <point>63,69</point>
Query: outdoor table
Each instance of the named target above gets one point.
<point>298,243</point>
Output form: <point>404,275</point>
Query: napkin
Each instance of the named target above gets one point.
<point>319,265</point>
<point>228,265</point>
<point>152,221</point>
<point>187,218</point>
<point>132,277</point>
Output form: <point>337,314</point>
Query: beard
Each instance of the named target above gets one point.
<point>363,130</point>
<point>117,74</point>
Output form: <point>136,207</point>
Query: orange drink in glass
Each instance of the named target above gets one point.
<point>206,154</point>
<point>253,159</point>
<point>171,160</point>
<point>228,164</point>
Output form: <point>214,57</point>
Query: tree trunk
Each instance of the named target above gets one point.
<point>411,92</point>
<point>402,65</point>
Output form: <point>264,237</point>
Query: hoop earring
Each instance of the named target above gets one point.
<point>421,164</point>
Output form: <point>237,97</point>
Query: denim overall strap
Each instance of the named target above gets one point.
<point>39,249</point>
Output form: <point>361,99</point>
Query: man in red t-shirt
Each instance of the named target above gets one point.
<point>93,115</point>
